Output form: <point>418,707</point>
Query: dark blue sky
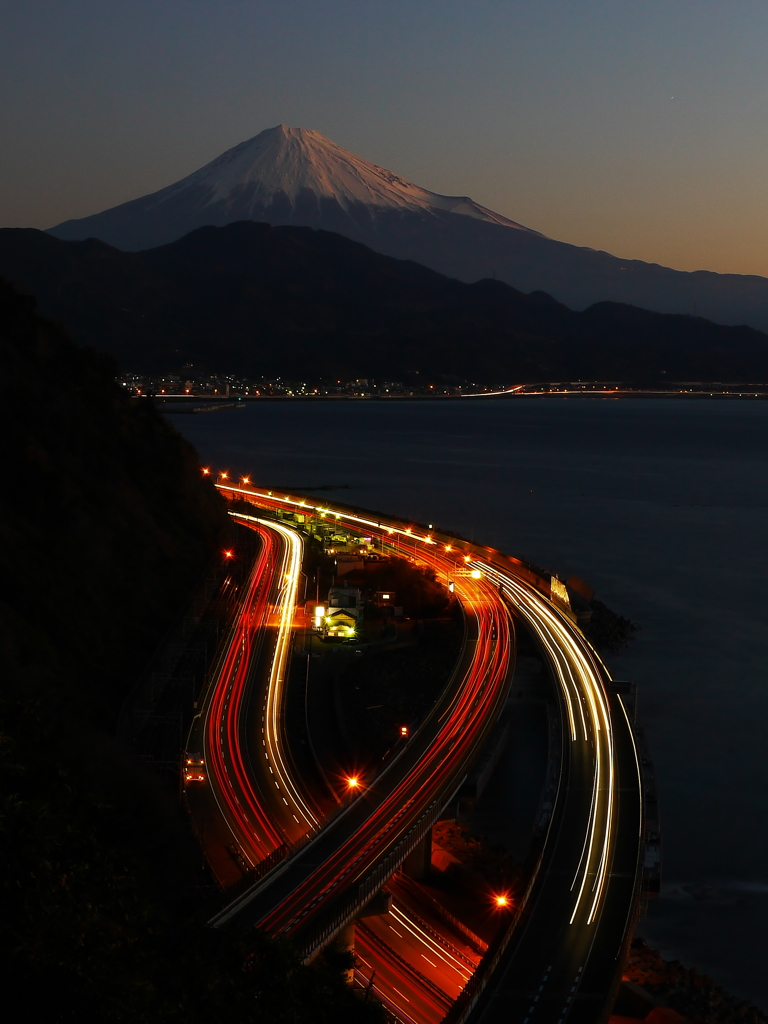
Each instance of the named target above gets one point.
<point>637,126</point>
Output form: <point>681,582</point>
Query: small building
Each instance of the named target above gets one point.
<point>339,622</point>
<point>343,613</point>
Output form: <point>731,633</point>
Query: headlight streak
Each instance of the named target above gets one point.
<point>412,926</point>
<point>275,692</point>
<point>425,1002</point>
<point>256,836</point>
<point>582,671</point>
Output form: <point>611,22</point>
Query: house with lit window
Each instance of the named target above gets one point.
<point>343,612</point>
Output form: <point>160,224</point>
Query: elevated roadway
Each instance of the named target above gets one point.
<point>560,956</point>
<point>563,958</point>
<point>330,880</point>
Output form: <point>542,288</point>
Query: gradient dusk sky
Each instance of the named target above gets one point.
<point>636,126</point>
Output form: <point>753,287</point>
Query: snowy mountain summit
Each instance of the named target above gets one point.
<point>283,176</point>
<point>303,166</point>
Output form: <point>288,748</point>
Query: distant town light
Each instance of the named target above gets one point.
<point>229,554</point>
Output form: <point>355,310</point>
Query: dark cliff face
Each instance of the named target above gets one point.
<point>258,300</point>
<point>106,521</point>
<point>105,526</point>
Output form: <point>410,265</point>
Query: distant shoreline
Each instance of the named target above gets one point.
<point>202,404</point>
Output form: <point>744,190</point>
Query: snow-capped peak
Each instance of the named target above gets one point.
<point>293,161</point>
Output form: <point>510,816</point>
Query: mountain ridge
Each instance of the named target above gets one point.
<point>296,176</point>
<point>257,300</point>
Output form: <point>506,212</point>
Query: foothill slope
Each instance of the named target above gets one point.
<point>304,304</point>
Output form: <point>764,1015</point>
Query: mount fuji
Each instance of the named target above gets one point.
<point>282,176</point>
<point>297,176</point>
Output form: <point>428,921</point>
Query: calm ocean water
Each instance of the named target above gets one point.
<point>662,507</point>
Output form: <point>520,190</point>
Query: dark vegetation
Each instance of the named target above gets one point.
<point>106,526</point>
<point>607,630</point>
<point>396,686</point>
<point>473,863</point>
<point>416,588</point>
<point>391,688</point>
<point>258,300</point>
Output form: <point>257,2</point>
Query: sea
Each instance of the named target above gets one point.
<point>660,505</point>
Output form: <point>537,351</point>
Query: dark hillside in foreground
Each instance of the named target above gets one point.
<point>106,525</point>
<point>260,301</point>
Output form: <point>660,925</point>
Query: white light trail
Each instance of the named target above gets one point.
<point>291,569</point>
<point>579,675</point>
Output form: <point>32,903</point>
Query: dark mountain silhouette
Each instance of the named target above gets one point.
<point>258,300</point>
<point>106,524</point>
<point>296,176</point>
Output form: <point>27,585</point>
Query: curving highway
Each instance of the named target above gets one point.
<point>564,958</point>
<point>560,958</point>
<point>252,806</point>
